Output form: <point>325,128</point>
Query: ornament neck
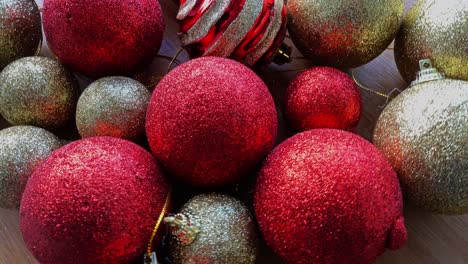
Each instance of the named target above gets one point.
<point>283,55</point>
<point>427,73</point>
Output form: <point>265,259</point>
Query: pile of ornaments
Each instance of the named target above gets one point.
<point>324,195</point>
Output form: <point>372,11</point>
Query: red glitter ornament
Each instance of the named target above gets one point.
<point>107,37</point>
<point>323,97</point>
<point>210,121</point>
<point>329,196</point>
<point>95,200</point>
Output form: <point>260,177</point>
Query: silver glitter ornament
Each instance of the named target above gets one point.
<point>249,31</point>
<point>344,33</point>
<point>20,30</point>
<point>22,150</point>
<point>113,106</point>
<point>37,91</point>
<point>438,30</point>
<point>213,228</point>
<point>424,134</point>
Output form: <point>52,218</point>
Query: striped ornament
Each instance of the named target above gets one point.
<point>249,31</point>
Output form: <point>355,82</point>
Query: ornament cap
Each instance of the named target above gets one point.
<point>283,55</point>
<point>184,227</point>
<point>427,73</point>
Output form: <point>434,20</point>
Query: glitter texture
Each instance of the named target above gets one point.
<point>37,91</point>
<point>106,37</point>
<point>113,106</point>
<point>20,34</point>
<point>22,150</point>
<point>244,30</point>
<point>346,33</point>
<point>424,134</point>
<point>328,196</point>
<point>210,121</point>
<point>436,30</point>
<point>95,200</point>
<point>323,97</point>
<point>227,233</point>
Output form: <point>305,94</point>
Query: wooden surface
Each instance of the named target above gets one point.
<point>432,238</point>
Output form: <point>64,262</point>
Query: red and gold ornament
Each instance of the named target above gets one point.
<point>248,31</point>
<point>95,200</point>
<point>323,97</point>
<point>328,196</point>
<point>102,38</point>
<point>210,121</point>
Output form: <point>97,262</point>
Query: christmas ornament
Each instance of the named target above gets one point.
<point>323,97</point>
<point>37,91</point>
<point>113,106</point>
<point>344,34</point>
<point>210,121</point>
<point>213,228</point>
<point>95,200</point>
<point>20,34</point>
<point>329,196</point>
<point>438,30</point>
<point>23,149</point>
<point>248,31</point>
<point>101,38</point>
<point>423,132</point>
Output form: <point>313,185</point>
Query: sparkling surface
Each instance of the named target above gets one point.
<point>328,196</point>
<point>22,150</point>
<point>37,91</point>
<point>113,106</point>
<point>106,37</point>
<point>424,134</point>
<point>93,201</point>
<point>244,30</point>
<point>436,30</point>
<point>20,30</point>
<point>323,97</point>
<point>227,235</point>
<point>210,121</point>
<point>344,33</point>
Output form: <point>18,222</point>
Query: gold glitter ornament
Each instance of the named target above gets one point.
<point>213,228</point>
<point>20,30</point>
<point>38,91</point>
<point>424,134</point>
<point>22,150</point>
<point>113,106</point>
<point>343,33</point>
<point>438,30</point>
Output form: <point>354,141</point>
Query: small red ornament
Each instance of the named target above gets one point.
<point>95,200</point>
<point>249,31</point>
<point>107,37</point>
<point>210,121</point>
<point>329,196</point>
<point>323,97</point>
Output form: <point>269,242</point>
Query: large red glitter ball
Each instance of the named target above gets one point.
<point>96,200</point>
<point>106,37</point>
<point>323,97</point>
<point>329,196</point>
<point>210,121</point>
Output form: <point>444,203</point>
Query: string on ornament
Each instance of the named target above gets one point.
<point>388,97</point>
<point>149,248</point>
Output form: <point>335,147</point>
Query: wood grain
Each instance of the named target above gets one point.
<point>432,238</point>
